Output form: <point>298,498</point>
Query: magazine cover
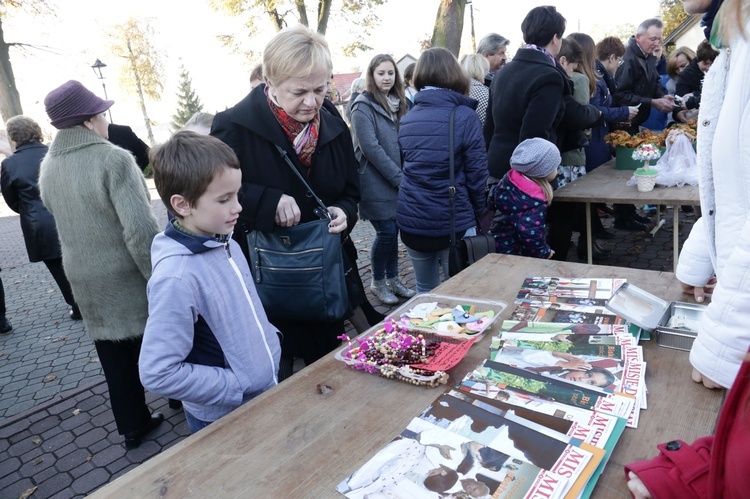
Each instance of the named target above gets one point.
<point>590,371</point>
<point>543,288</point>
<point>594,427</point>
<point>429,462</point>
<point>598,349</point>
<point>564,313</point>
<point>560,391</point>
<point>553,328</point>
<point>568,338</point>
<point>512,435</point>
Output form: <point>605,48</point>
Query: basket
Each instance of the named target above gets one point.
<point>645,183</point>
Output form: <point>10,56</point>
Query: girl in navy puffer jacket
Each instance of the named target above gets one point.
<point>423,211</point>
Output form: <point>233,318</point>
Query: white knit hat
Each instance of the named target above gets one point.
<point>535,158</point>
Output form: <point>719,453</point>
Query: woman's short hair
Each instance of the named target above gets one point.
<point>571,50</point>
<point>358,85</point>
<point>200,120</point>
<point>438,67</point>
<point>706,52</point>
<point>397,90</point>
<point>409,73</point>
<point>541,25</point>
<point>295,52</point>
<point>23,130</point>
<point>673,65</point>
<point>609,46</point>
<point>476,66</point>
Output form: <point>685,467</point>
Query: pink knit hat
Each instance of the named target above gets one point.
<point>71,104</point>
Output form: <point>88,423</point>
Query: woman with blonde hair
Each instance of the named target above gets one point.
<point>477,66</point>
<point>375,120</point>
<point>287,112</point>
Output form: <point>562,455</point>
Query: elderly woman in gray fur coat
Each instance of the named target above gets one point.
<point>100,202</point>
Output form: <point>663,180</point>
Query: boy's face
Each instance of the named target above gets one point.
<point>216,210</point>
<point>568,66</point>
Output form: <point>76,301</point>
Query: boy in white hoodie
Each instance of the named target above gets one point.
<point>208,341</point>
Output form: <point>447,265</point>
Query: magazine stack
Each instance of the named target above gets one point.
<point>539,417</point>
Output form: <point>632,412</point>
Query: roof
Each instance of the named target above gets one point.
<point>342,83</point>
<point>685,26</point>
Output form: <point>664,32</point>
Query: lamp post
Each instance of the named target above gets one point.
<point>98,68</point>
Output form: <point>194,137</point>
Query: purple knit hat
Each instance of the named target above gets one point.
<point>71,104</point>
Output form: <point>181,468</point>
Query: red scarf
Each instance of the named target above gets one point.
<point>304,136</point>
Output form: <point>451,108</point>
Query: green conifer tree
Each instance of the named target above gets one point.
<point>188,103</point>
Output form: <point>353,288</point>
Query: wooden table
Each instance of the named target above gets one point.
<point>294,442</point>
<point>608,185</point>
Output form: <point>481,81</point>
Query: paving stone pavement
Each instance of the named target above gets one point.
<point>57,434</point>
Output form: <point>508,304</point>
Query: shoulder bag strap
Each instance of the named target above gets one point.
<point>302,179</point>
<point>452,188</point>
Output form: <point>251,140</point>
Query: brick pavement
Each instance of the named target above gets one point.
<point>57,434</point>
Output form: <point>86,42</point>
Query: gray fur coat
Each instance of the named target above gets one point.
<point>375,136</point>
<point>100,202</point>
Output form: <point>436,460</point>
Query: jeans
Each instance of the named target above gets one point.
<point>427,267</point>
<point>194,423</point>
<point>384,255</point>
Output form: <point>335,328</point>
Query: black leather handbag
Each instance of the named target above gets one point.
<point>299,271</point>
<point>467,250</point>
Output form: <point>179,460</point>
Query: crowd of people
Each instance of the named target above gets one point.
<point>500,135</point>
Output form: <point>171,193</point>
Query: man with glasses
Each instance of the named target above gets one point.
<point>638,82</point>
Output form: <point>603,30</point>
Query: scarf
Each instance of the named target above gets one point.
<point>393,103</point>
<point>304,136</point>
<point>543,51</point>
<point>608,78</point>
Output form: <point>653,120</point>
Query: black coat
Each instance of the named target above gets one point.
<point>638,82</point>
<point>531,97</point>
<point>690,81</point>
<point>20,187</point>
<point>252,131</point>
<point>125,137</point>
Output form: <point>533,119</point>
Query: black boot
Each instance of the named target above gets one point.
<point>133,438</point>
<point>599,253</point>
<point>5,326</point>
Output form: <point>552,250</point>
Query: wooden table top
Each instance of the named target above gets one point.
<point>294,442</point>
<point>608,185</point>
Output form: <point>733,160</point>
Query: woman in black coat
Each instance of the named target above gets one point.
<point>286,112</point>
<point>20,187</point>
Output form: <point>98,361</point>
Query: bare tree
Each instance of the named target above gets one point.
<point>282,13</point>
<point>144,73</point>
<point>449,25</point>
<point>10,98</point>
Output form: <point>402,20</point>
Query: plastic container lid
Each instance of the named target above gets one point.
<point>638,306</point>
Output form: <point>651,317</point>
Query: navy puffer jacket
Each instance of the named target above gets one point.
<point>423,201</point>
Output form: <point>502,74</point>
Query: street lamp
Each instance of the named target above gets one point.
<point>98,68</point>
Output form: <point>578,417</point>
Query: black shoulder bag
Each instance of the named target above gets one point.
<point>469,249</point>
<point>299,271</point>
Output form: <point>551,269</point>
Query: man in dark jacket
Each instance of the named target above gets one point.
<point>125,137</point>
<point>638,82</point>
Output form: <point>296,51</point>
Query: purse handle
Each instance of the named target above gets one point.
<point>322,210</point>
<point>452,188</point>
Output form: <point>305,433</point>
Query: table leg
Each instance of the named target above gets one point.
<point>676,236</point>
<point>589,235</point>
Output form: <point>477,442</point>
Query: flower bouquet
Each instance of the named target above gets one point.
<point>645,176</point>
